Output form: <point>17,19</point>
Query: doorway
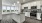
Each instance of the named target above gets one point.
<point>33,12</point>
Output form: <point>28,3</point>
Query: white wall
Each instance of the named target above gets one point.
<point>0,9</point>
<point>0,16</point>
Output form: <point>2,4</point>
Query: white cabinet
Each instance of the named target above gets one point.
<point>27,14</point>
<point>38,16</point>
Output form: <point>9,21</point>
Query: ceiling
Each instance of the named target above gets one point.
<point>15,1</point>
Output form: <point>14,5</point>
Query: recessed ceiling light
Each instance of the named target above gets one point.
<point>18,2</point>
<point>23,0</point>
<point>14,3</point>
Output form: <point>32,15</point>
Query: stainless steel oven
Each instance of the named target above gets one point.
<point>33,11</point>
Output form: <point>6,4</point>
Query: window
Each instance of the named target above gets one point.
<point>4,8</point>
<point>12,9</point>
<point>8,8</point>
<point>25,7</point>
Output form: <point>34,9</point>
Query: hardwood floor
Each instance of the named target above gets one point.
<point>29,20</point>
